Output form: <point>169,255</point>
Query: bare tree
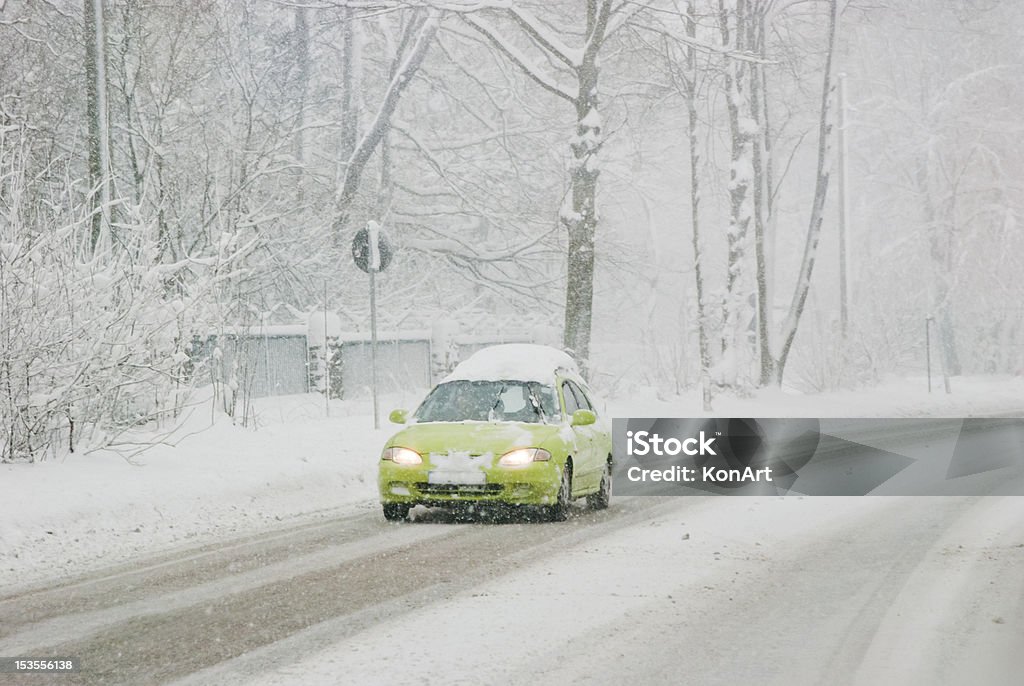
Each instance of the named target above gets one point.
<point>416,39</point>
<point>580,66</point>
<point>822,177</point>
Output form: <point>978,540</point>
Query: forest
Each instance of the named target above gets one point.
<point>699,196</point>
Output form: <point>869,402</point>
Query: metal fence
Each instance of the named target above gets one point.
<point>281,360</point>
<point>262,364</point>
<point>400,364</point>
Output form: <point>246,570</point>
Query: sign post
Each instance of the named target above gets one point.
<point>928,349</point>
<point>371,251</point>
<point>374,230</point>
<point>327,360</point>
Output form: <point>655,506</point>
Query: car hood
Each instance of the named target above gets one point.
<point>475,438</point>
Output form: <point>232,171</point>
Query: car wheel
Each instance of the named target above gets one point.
<point>600,500</point>
<point>396,512</point>
<point>560,510</point>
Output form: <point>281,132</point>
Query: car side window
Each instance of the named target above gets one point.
<point>581,398</point>
<point>571,405</point>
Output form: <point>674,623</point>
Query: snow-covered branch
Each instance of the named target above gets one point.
<point>413,58</point>
<point>544,37</point>
<point>517,57</point>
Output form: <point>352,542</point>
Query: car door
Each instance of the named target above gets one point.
<point>586,474</point>
<point>601,429</point>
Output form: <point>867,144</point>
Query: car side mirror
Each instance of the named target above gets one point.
<point>583,418</point>
<point>398,416</point>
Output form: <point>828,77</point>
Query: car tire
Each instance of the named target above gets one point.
<point>559,512</point>
<point>396,512</point>
<point>601,499</point>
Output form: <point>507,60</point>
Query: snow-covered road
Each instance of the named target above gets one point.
<point>656,590</point>
<point>240,557</point>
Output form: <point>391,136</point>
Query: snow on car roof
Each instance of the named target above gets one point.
<point>514,361</point>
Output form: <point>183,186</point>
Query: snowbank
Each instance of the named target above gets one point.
<point>205,482</point>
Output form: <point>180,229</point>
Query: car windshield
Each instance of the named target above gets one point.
<point>489,401</point>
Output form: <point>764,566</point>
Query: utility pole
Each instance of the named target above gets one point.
<point>841,133</point>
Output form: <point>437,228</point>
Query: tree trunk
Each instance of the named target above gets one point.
<point>98,129</point>
<point>698,266</point>
<point>740,172</point>
<point>349,83</point>
<point>762,195</point>
<point>581,221</point>
<point>803,281</point>
<point>302,71</point>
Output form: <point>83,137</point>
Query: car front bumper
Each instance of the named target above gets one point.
<point>535,484</point>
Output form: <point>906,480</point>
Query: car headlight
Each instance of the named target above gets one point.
<point>402,456</point>
<point>523,456</point>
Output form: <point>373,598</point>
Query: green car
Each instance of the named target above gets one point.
<point>512,425</point>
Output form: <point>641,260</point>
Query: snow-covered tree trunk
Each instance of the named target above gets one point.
<point>762,181</point>
<point>303,66</point>
<point>581,221</point>
<point>825,126</point>
<point>690,88</point>
<point>349,87</point>
<point>98,126</point>
<point>742,131</point>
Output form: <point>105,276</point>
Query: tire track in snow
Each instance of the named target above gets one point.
<point>176,570</point>
<point>175,633</point>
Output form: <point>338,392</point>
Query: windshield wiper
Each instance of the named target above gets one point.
<point>535,404</point>
<point>497,401</point>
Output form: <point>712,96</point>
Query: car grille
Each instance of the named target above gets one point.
<point>459,489</point>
